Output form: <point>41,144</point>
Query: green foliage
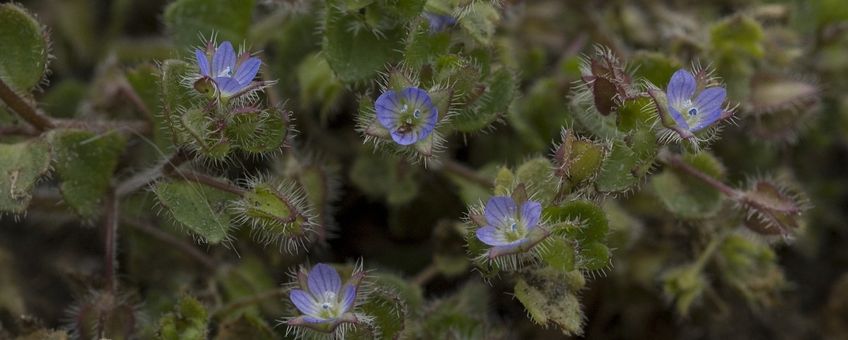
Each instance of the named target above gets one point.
<point>357,55</point>
<point>488,104</point>
<point>85,163</point>
<point>188,321</point>
<point>549,300</point>
<point>228,20</point>
<point>198,208</point>
<point>388,312</point>
<point>258,132</point>
<point>26,48</point>
<point>628,161</point>
<point>245,327</point>
<point>319,85</point>
<point>687,197</point>
<point>21,165</point>
<point>387,177</point>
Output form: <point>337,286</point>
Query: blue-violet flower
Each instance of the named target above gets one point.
<point>231,74</point>
<point>439,22</point>
<point>327,300</point>
<point>508,225</point>
<point>409,114</point>
<point>692,112</point>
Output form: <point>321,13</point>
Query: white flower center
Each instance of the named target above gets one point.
<point>225,72</point>
<point>514,230</point>
<point>330,305</point>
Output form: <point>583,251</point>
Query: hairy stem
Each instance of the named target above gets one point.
<point>148,176</point>
<point>452,167</point>
<point>676,162</point>
<point>247,301</point>
<point>207,180</point>
<point>110,229</point>
<point>425,275</point>
<point>27,111</point>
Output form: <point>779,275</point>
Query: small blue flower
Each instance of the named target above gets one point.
<point>507,225</point>
<point>692,112</point>
<point>439,22</point>
<point>409,114</point>
<point>326,300</point>
<point>231,74</point>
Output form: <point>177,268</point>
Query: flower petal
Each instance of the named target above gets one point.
<point>228,85</point>
<point>421,100</point>
<point>531,213</point>
<point>387,109</point>
<point>202,62</point>
<point>405,138</point>
<point>348,297</point>
<point>323,278</point>
<point>709,104</point>
<point>248,70</point>
<point>304,302</point>
<point>681,86</point>
<point>491,236</point>
<point>678,117</point>
<point>500,210</point>
<point>224,60</point>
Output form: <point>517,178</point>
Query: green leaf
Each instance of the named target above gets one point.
<point>174,95</point>
<point>385,176</point>
<point>558,254</point>
<point>62,100</point>
<point>357,55</point>
<point>738,36</point>
<point>548,300</point>
<point>687,197</point>
<point>425,47</point>
<point>21,165</point>
<point>85,162</point>
<point>227,19</point>
<point>594,256</point>
<point>655,67</point>
<point>388,311</point>
<point>25,48</point>
<point>319,86</point>
<point>499,90</point>
<point>199,208</point>
<point>589,215</point>
<point>145,80</point>
<point>628,161</point>
<point>537,175</point>
<point>188,321</point>
<point>480,21</point>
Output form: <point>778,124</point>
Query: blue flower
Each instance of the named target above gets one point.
<point>326,301</point>
<point>231,74</point>
<point>691,112</point>
<point>409,114</point>
<point>507,225</point>
<point>439,22</point>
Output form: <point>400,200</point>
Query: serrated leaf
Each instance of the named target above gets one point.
<point>25,48</point>
<point>188,321</point>
<point>594,256</point>
<point>558,254</point>
<point>199,208</point>
<point>226,19</point>
<point>21,165</point>
<point>85,162</point>
<point>357,55</point>
<point>589,215</point>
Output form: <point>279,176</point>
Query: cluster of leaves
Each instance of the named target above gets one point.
<point>196,138</point>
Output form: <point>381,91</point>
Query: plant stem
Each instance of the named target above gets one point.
<point>148,176</point>
<point>206,180</point>
<point>455,168</point>
<point>247,301</point>
<point>177,243</point>
<point>27,111</point>
<point>678,163</point>
<point>140,127</point>
<point>425,275</point>
<point>110,229</point>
